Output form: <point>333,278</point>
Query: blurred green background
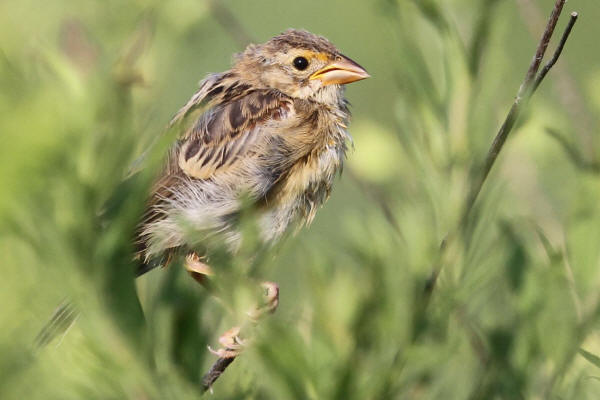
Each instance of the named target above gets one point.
<point>86,87</point>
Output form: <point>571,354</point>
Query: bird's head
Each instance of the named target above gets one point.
<point>299,64</point>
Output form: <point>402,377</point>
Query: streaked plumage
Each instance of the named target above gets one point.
<point>270,128</point>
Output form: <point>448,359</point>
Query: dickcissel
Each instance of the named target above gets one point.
<point>271,129</point>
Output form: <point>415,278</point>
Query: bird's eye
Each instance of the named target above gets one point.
<point>300,63</point>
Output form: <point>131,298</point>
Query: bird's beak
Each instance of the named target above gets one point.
<point>340,72</point>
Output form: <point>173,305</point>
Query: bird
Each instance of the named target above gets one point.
<point>272,129</point>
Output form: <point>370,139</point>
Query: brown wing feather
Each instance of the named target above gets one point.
<point>213,142</point>
<point>224,133</point>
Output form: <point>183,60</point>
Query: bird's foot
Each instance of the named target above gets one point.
<point>232,344</point>
<point>231,341</point>
<point>199,270</point>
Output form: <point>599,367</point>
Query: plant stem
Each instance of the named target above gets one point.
<point>526,90</point>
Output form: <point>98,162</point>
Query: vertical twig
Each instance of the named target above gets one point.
<point>526,90</point>
<point>565,85</point>
<point>557,52</point>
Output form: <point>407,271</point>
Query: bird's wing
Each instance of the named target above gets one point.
<point>215,141</point>
<point>226,132</point>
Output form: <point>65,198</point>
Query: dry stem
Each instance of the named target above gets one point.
<point>526,90</point>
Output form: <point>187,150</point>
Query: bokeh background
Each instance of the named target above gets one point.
<point>87,87</point>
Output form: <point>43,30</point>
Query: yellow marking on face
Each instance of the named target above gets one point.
<point>322,56</point>
<point>310,55</point>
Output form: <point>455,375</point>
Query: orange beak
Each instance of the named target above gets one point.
<point>340,72</point>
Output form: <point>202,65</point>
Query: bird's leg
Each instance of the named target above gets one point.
<point>198,270</point>
<point>231,342</point>
<point>201,272</point>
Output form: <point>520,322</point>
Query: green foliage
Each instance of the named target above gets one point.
<point>87,87</point>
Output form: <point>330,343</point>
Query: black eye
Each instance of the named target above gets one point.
<point>300,63</point>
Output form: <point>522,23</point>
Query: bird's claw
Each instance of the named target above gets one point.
<point>198,269</point>
<point>232,344</point>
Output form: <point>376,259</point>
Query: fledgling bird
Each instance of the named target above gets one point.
<point>272,128</point>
